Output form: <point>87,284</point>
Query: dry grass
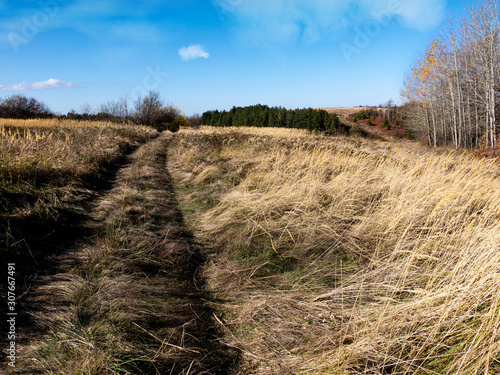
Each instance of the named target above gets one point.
<point>40,151</point>
<point>50,171</point>
<point>347,255</point>
<point>344,111</point>
<point>48,168</point>
<point>128,299</point>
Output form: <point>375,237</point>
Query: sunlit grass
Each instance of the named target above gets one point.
<point>340,255</point>
<point>33,151</point>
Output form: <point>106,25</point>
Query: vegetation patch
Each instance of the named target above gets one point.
<point>352,256</point>
<point>129,298</point>
<point>49,172</point>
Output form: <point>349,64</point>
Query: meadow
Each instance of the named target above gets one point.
<point>49,168</point>
<point>50,173</point>
<point>248,251</point>
<point>39,151</point>
<point>346,255</point>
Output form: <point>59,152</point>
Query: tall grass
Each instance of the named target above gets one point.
<point>47,164</point>
<point>346,255</point>
<point>33,151</point>
<point>128,299</point>
<point>50,171</point>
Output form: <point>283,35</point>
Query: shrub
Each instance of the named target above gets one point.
<point>409,133</point>
<point>22,107</point>
<point>174,126</point>
<point>151,111</point>
<point>361,115</point>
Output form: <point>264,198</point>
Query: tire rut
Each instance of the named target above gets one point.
<point>128,297</point>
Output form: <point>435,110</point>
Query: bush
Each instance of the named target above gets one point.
<point>174,126</point>
<point>361,115</point>
<point>151,111</point>
<point>22,107</point>
<point>409,133</point>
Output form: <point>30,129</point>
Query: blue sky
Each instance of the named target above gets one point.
<point>213,54</point>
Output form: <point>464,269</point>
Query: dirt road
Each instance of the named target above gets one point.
<point>127,297</point>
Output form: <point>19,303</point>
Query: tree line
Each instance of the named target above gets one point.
<point>265,116</point>
<point>453,90</point>
<point>22,107</point>
<point>150,110</point>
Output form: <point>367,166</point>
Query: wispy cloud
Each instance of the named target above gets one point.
<point>19,24</point>
<point>310,20</point>
<point>193,52</point>
<point>422,14</point>
<point>42,85</point>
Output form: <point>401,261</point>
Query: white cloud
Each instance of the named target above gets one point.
<point>195,51</point>
<point>43,85</point>
<point>309,20</point>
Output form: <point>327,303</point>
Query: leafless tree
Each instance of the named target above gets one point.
<point>23,107</point>
<point>117,108</point>
<point>194,121</point>
<point>455,84</point>
<point>151,111</point>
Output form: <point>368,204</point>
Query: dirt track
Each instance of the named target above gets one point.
<point>134,280</point>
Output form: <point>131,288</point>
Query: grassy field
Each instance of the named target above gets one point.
<point>346,255</point>
<point>48,170</point>
<point>247,251</point>
<point>50,173</point>
<point>40,151</point>
<point>344,111</point>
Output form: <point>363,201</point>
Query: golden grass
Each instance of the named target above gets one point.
<point>33,151</point>
<point>49,172</point>
<point>278,133</point>
<point>339,255</point>
<point>344,111</point>
<point>51,123</point>
<point>127,299</point>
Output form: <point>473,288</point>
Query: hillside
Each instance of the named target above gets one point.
<point>345,255</point>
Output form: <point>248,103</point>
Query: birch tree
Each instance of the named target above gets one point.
<point>454,86</point>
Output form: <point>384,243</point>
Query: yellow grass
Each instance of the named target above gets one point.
<point>278,133</point>
<point>126,300</point>
<point>345,111</point>
<point>349,256</point>
<point>34,151</point>
<point>51,123</point>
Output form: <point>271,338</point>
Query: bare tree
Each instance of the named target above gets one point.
<point>87,110</point>
<point>117,108</point>
<point>22,107</point>
<point>147,108</point>
<point>194,121</point>
<point>151,111</point>
<point>456,82</point>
